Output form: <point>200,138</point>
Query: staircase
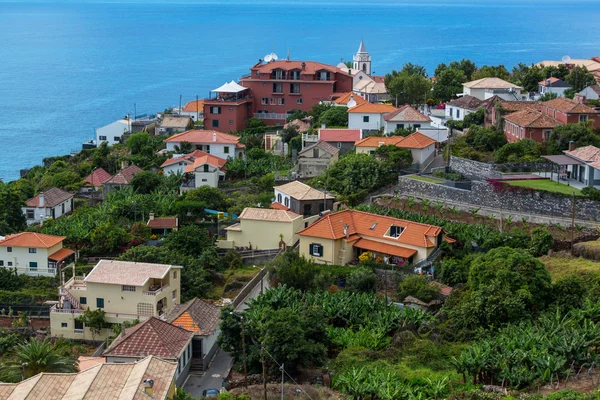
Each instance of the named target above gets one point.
<point>67,295</point>
<point>197,365</point>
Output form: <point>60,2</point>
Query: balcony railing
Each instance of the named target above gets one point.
<point>310,138</point>
<point>55,309</point>
<point>78,330</point>
<point>271,115</point>
<point>157,291</point>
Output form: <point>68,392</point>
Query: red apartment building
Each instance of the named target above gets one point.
<point>271,91</point>
<point>569,111</point>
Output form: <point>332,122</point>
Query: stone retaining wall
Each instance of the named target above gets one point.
<point>482,194</point>
<point>479,171</point>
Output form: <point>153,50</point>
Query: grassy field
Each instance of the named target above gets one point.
<point>562,265</point>
<point>547,185</point>
<point>423,178</point>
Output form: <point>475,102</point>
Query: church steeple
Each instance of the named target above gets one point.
<point>362,59</point>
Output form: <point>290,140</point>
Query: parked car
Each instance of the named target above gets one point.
<point>210,393</point>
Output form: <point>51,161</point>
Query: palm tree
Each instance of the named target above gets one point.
<point>31,358</point>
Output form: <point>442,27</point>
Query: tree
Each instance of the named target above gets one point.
<point>362,280</point>
<point>183,148</point>
<point>548,96</point>
<point>190,240</point>
<point>255,123</point>
<point>581,134</point>
<point>394,157</point>
<point>541,242</point>
<point>12,219</point>
<point>485,139</point>
<point>416,286</point>
<point>580,78</point>
<point>476,118</point>
<point>95,320</point>
<point>335,116</point>
<point>145,182</point>
<point>296,114</point>
<point>33,357</point>
<point>449,83</point>
<point>318,109</point>
<point>523,150</point>
<point>291,132</point>
<point>561,71</point>
<point>465,65</point>
<point>410,85</point>
<point>491,71</point>
<point>293,270</point>
<point>527,76</point>
<point>212,197</point>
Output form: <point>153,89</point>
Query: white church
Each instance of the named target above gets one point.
<point>364,82</point>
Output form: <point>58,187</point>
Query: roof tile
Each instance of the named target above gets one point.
<point>301,191</point>
<point>202,136</point>
<point>406,114</point>
<point>31,239</point>
<point>339,135</point>
<point>268,214</point>
<point>369,108</point>
<point>115,272</point>
<point>196,315</point>
<point>52,198</point>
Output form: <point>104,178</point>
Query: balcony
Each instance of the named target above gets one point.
<point>280,116</point>
<point>155,291</point>
<point>78,330</point>
<point>78,311</point>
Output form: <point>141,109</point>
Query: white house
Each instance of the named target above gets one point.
<point>422,147</point>
<point>113,132</point>
<point>553,85</point>
<point>459,108</point>
<point>207,170</point>
<point>349,99</point>
<point>406,117</point>
<point>372,90</point>
<point>53,203</point>
<point>489,87</point>
<point>194,109</point>
<point>591,92</point>
<point>216,143</point>
<point>34,254</point>
<point>368,117</point>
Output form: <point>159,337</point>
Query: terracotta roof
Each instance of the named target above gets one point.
<point>301,125</point>
<point>372,226</point>
<point>569,106</point>
<point>126,272</point>
<point>532,119</point>
<point>415,140</point>
<point>102,381</point>
<point>31,239</point>
<point>513,106</point>
<point>206,159</point>
<point>490,83</point>
<point>467,102</point>
<point>97,177</point>
<point>52,198</point>
<point>384,248</point>
<point>310,67</point>
<point>198,316</point>
<point>301,191</point>
<point>278,206</point>
<point>591,64</point>
<point>322,145</point>
<point>589,154</point>
<point>268,214</point>
<point>368,108</point>
<point>345,98</point>
<point>378,79</point>
<point>376,141</point>
<point>84,363</point>
<point>153,337</point>
<point>186,158</point>
<point>408,114</point>
<point>124,176</point>
<point>339,135</point>
<point>554,82</point>
<point>175,121</point>
<point>61,254</point>
<point>444,289</point>
<point>202,136</point>
<point>194,106</point>
<point>162,223</point>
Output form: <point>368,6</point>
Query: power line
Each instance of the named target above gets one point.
<point>283,369</point>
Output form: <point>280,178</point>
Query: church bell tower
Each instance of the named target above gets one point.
<point>362,59</point>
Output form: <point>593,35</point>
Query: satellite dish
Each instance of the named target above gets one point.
<point>566,59</point>
<point>268,58</point>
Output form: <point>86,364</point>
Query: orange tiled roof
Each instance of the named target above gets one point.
<point>194,106</point>
<point>163,223</point>
<point>198,316</point>
<point>369,225</point>
<point>202,136</point>
<point>513,106</point>
<point>124,176</point>
<point>444,289</point>
<point>310,67</point>
<point>345,98</point>
<point>278,206</point>
<point>31,239</point>
<point>406,113</point>
<point>61,254</point>
<point>206,159</point>
<point>97,177</point>
<point>368,108</point>
<point>376,141</point>
<point>569,106</point>
<point>416,141</point>
<point>339,135</point>
<point>532,119</point>
<point>384,248</point>
<point>413,141</point>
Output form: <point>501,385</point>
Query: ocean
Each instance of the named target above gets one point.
<point>69,67</point>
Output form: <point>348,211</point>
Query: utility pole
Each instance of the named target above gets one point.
<point>180,99</point>
<point>282,381</point>
<point>244,354</point>
<point>197,110</point>
<point>572,222</point>
<point>264,373</point>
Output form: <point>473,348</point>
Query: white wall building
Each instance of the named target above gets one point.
<point>53,203</point>
<point>406,117</point>
<point>113,132</point>
<point>554,85</point>
<point>216,143</point>
<point>368,117</point>
<point>200,168</point>
<point>485,88</point>
<point>461,107</point>
<point>591,92</point>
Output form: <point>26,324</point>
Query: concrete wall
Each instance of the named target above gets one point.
<point>356,121</point>
<point>391,126</point>
<point>48,212</point>
<point>479,171</point>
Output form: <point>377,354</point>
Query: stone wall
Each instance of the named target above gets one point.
<point>479,171</point>
<point>483,195</point>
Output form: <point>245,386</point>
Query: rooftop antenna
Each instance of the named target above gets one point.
<point>288,56</point>
<point>566,59</point>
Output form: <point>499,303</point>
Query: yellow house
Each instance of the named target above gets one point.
<point>343,236</point>
<point>126,291</point>
<point>34,254</point>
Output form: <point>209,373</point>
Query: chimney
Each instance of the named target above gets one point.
<point>151,216</point>
<point>346,230</point>
<point>42,201</point>
<point>323,126</point>
<point>571,145</point>
<point>149,387</point>
<point>214,137</point>
<point>124,164</point>
<point>303,65</point>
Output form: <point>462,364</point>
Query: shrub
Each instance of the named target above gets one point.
<point>416,286</point>
<point>591,192</point>
<point>541,242</point>
<point>362,280</point>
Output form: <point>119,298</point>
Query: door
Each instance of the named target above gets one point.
<point>197,348</point>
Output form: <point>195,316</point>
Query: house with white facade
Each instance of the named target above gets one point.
<point>172,123</point>
<point>459,108</point>
<point>302,199</point>
<point>422,147</point>
<point>485,88</point>
<point>194,109</point>
<point>553,85</point>
<point>113,132</point>
<point>216,143</point>
<point>373,90</point>
<point>53,203</point>
<point>349,99</point>
<point>207,170</point>
<point>34,254</point>
<point>368,117</point>
<point>406,117</point>
<point>590,92</point>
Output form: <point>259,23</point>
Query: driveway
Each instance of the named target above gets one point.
<point>212,377</point>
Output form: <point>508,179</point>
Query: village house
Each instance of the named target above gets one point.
<point>218,144</point>
<point>34,254</point>
<point>315,159</point>
<point>53,203</point>
<point>530,124</point>
<point>406,117</point>
<point>553,85</point>
<point>590,93</point>
<point>113,132</point>
<point>422,147</point>
<point>150,377</point>
<point>95,180</point>
<point>485,88</point>
<point>194,109</point>
<point>498,108</point>
<point>126,291</point>
<point>373,91</point>
<point>341,237</point>
<point>591,64</point>
<point>459,108</point>
<point>342,139</point>
<point>302,198</point>
<point>202,319</point>
<point>349,100</point>
<point>271,91</point>
<point>121,179</point>
<point>199,169</point>
<point>172,124</point>
<point>568,111</point>
<point>368,117</point>
<point>162,226</point>
<point>157,338</point>
<point>579,165</point>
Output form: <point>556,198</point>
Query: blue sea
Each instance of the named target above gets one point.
<point>69,67</point>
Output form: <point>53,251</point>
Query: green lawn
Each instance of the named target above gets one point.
<point>423,178</point>
<point>547,185</point>
<point>562,265</point>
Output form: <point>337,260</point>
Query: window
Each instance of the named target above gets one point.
<point>316,250</point>
<point>205,167</point>
<point>174,294</point>
<point>287,201</point>
<point>278,74</point>
<point>128,288</point>
<point>399,126</point>
<point>395,231</point>
<point>63,208</point>
<point>295,75</point>
<point>9,264</point>
<point>298,101</point>
<point>83,300</point>
<point>9,249</point>
<point>207,148</point>
<point>339,145</point>
<point>583,118</point>
<point>204,180</point>
<point>30,214</point>
<point>323,76</point>
<point>294,88</point>
<point>279,198</point>
<point>457,113</point>
<point>100,302</point>
<point>175,274</point>
<point>315,153</point>
<point>226,149</point>
<point>1,263</point>
<point>32,250</point>
<point>78,325</point>
<point>365,118</point>
<point>33,265</point>
<point>264,101</point>
<point>63,325</point>
<point>230,122</point>
<point>546,134</point>
<point>215,110</point>
<point>416,126</point>
<point>277,88</point>
<point>102,137</point>
<point>116,138</point>
<point>215,123</point>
